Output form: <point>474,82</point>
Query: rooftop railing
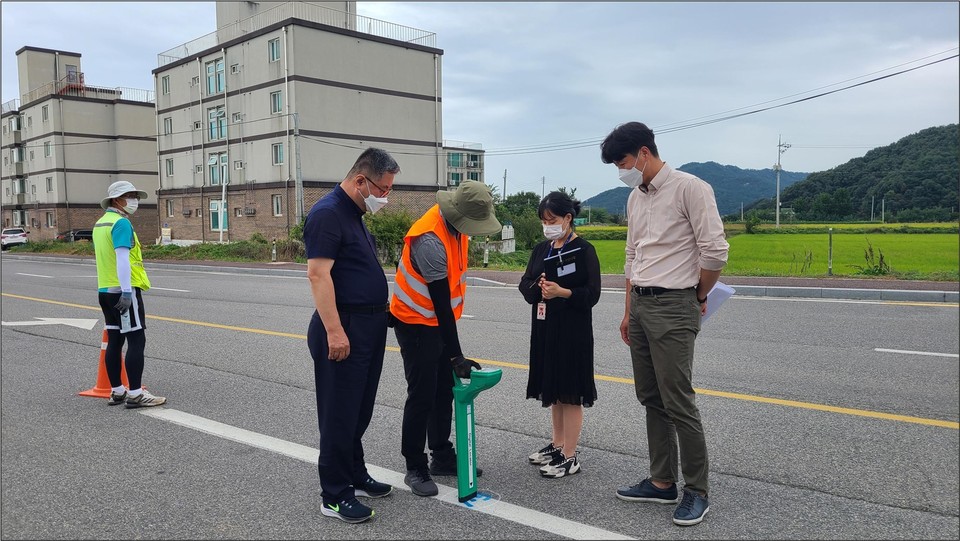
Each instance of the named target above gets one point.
<point>74,85</point>
<point>307,12</point>
<point>12,105</point>
<point>449,143</point>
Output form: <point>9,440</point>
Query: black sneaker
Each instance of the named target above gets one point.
<point>447,467</point>
<point>552,457</point>
<point>692,509</point>
<point>351,511</point>
<point>569,466</point>
<point>420,482</point>
<point>556,457</point>
<point>646,491</point>
<point>372,489</point>
<point>540,457</point>
<point>117,398</point>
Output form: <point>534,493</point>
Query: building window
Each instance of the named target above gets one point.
<point>473,175</point>
<point>273,49</point>
<point>15,123</point>
<point>237,117</point>
<point>197,125</point>
<point>277,153</point>
<point>47,149</point>
<point>277,205</point>
<point>31,155</point>
<point>165,85</point>
<point>169,164</point>
<point>473,160</point>
<point>50,222</point>
<point>215,79</point>
<point>276,102</point>
<point>217,164</point>
<point>33,189</point>
<point>454,159</point>
<point>195,81</point>
<point>238,212</point>
<point>19,185</point>
<point>198,169</point>
<point>456,178</point>
<point>169,208</point>
<point>29,121</point>
<point>45,113</point>
<point>216,212</point>
<point>167,126</point>
<point>235,68</point>
<point>217,121</point>
<point>49,184</point>
<point>199,214</point>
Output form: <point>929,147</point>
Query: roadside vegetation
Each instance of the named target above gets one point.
<point>916,251</point>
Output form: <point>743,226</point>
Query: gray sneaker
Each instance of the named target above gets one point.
<point>144,400</point>
<point>420,482</point>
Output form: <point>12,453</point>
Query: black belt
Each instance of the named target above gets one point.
<point>364,308</point>
<point>644,291</point>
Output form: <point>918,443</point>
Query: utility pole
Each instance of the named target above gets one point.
<point>543,184</point>
<point>883,207</point>
<point>741,211</point>
<point>781,148</point>
<point>504,185</point>
<point>873,198</point>
<point>299,180</point>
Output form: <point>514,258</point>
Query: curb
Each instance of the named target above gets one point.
<point>893,295</point>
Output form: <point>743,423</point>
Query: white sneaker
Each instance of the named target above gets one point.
<point>144,400</point>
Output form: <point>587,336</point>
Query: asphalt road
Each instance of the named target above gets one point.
<point>825,419</point>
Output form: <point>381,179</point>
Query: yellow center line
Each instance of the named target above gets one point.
<point>708,392</point>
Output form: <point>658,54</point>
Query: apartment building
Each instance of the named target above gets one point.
<point>64,141</point>
<point>259,119</point>
<point>464,162</point>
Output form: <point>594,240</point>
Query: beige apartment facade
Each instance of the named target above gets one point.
<point>274,107</point>
<point>64,141</point>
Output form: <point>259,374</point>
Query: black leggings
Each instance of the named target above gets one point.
<point>136,343</point>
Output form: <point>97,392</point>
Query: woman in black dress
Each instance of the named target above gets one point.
<point>562,283</point>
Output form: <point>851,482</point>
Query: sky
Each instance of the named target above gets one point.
<point>540,84</point>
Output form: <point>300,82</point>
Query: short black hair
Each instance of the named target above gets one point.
<point>626,139</point>
<point>374,163</point>
<point>559,204</point>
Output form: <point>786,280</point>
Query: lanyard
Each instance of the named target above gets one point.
<point>560,250</point>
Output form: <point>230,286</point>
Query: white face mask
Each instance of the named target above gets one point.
<point>632,177</point>
<point>372,203</point>
<point>553,232</point>
<point>131,206</point>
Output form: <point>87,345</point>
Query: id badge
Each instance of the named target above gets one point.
<point>541,310</point>
<point>569,268</point>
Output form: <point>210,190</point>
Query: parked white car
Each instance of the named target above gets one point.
<point>13,236</point>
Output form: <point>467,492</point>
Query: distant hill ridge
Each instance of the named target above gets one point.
<point>912,180</point>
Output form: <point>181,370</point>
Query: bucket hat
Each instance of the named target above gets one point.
<point>117,189</point>
<point>470,209</point>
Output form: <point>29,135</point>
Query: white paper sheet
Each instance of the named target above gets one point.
<point>717,296</point>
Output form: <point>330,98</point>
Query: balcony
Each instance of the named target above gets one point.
<point>20,198</point>
<point>10,106</point>
<point>73,85</point>
<point>18,169</point>
<point>307,12</point>
<point>17,137</point>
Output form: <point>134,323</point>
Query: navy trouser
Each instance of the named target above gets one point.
<point>428,411</point>
<point>345,396</point>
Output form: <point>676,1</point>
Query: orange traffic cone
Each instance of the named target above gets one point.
<point>103,387</point>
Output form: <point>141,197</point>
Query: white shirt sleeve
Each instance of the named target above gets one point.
<point>123,267</point>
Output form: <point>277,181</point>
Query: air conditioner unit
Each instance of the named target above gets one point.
<point>473,164</point>
<point>186,212</point>
<point>249,211</point>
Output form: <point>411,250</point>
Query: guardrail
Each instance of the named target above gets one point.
<point>12,105</point>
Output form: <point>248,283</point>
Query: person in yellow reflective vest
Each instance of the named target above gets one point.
<point>121,279</point>
<point>427,301</point>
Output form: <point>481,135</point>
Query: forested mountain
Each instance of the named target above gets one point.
<point>731,185</point>
<point>914,179</point>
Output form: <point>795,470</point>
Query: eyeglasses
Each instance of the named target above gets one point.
<point>383,193</point>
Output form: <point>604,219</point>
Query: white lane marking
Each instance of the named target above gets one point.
<point>497,508</point>
<point>78,323</point>
<point>170,289</point>
<point>910,352</point>
<point>34,275</point>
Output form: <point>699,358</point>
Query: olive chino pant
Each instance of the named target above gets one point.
<point>662,332</point>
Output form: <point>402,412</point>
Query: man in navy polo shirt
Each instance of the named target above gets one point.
<point>347,335</point>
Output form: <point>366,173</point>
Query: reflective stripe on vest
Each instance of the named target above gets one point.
<point>107,256</point>
<point>411,301</point>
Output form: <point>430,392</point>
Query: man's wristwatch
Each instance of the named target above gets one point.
<point>703,300</point>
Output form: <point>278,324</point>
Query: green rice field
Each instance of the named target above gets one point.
<point>928,256</point>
